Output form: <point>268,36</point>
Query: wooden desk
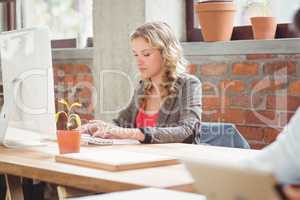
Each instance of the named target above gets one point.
<point>38,163</point>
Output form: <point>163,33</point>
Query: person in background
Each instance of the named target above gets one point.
<point>166,105</point>
<point>283,155</point>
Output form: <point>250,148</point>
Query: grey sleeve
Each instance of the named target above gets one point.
<point>190,112</point>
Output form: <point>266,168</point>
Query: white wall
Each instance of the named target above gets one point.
<point>170,11</point>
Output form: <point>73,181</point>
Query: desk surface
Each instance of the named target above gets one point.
<point>38,163</point>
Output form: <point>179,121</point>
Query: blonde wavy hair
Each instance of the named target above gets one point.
<point>160,36</point>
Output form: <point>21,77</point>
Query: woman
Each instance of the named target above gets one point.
<point>167,104</point>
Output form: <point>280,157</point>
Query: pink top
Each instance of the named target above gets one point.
<point>145,120</point>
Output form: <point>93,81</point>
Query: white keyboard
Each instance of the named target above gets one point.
<point>95,140</point>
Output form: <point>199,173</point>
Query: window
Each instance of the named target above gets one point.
<point>66,19</point>
<point>283,10</point>
<point>69,21</point>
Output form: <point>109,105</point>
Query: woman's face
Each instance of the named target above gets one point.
<point>149,59</point>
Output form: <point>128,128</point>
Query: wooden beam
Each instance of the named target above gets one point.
<point>14,188</point>
<point>11,15</point>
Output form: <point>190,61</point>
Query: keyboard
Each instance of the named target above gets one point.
<point>95,140</point>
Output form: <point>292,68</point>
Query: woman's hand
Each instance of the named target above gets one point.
<point>109,131</point>
<point>98,128</point>
<point>94,128</point>
<point>293,193</point>
<point>112,132</point>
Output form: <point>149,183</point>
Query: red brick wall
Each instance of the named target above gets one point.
<point>74,82</point>
<point>258,93</point>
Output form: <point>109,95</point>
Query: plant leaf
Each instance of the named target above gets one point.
<point>75,105</point>
<point>64,102</point>
<point>58,114</point>
<point>76,118</point>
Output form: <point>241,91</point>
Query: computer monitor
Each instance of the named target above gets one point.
<point>28,87</point>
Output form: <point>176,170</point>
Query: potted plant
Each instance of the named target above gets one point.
<point>263,24</point>
<point>216,18</point>
<point>69,139</point>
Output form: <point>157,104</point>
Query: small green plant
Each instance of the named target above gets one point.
<point>73,119</point>
<point>258,7</point>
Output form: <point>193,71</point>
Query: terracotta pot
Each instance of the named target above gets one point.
<point>68,141</point>
<point>216,20</point>
<point>263,27</point>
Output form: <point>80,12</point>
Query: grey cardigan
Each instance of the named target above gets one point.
<point>178,115</point>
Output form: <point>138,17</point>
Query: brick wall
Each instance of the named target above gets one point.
<point>258,92</point>
<point>74,82</point>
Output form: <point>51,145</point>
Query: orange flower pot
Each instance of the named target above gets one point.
<point>216,20</point>
<point>68,141</point>
<point>263,27</point>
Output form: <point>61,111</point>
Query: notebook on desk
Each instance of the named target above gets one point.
<point>116,160</point>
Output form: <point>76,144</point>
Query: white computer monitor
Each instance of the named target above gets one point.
<point>28,85</point>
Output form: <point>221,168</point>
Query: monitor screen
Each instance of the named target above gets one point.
<point>27,76</point>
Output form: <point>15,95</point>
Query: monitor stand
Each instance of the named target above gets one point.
<point>3,123</point>
<point>7,106</point>
<point>22,142</point>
